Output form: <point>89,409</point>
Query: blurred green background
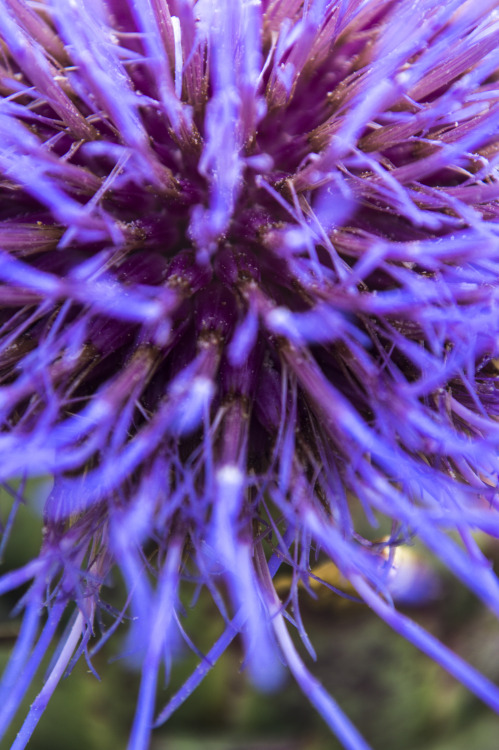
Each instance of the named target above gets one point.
<point>396,696</point>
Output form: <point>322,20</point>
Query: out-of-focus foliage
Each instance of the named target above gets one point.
<point>397,697</point>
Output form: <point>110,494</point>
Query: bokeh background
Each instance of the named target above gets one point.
<point>397,697</point>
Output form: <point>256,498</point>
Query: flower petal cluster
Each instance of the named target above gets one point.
<point>249,264</point>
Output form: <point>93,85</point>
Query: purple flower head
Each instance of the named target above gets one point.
<point>249,263</point>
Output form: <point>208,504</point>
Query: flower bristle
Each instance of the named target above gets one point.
<point>249,262</point>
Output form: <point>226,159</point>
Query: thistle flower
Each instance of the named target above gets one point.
<point>249,255</point>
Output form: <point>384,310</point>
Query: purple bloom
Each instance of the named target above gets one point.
<point>249,263</point>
